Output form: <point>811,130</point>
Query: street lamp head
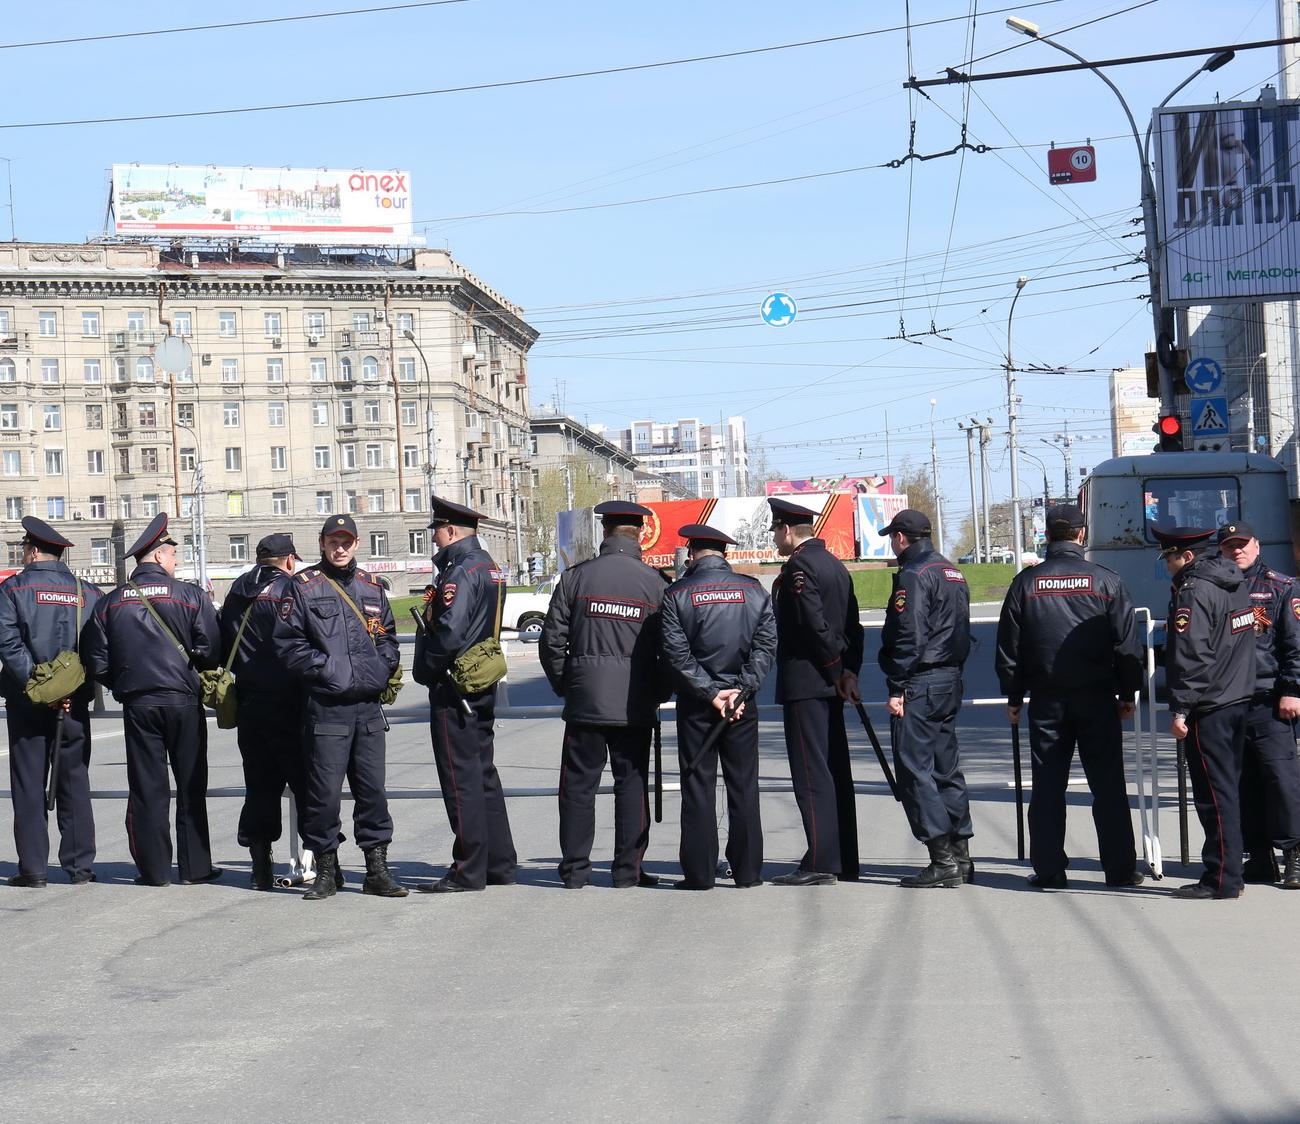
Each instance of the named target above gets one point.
<point>934,402</point>
<point>1021,282</point>
<point>1023,26</point>
<point>410,335</point>
<point>1214,62</point>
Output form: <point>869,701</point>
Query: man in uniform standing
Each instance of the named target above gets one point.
<point>818,657</point>
<point>270,702</point>
<point>1210,672</point>
<point>719,637</point>
<point>336,635</point>
<point>1270,773</point>
<point>464,612</point>
<point>1068,636</point>
<point>40,609</point>
<point>147,640</point>
<point>600,651</point>
<point>923,646</point>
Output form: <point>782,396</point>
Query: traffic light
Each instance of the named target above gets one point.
<point>1170,430</point>
<point>535,565</point>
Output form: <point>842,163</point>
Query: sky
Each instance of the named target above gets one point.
<point>633,216</point>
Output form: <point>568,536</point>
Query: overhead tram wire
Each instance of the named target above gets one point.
<point>225,26</point>
<point>1022,42</point>
<point>499,85</point>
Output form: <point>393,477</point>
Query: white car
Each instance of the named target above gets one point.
<point>525,612</point>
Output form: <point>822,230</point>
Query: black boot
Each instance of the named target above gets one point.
<point>1291,876</point>
<point>961,855</point>
<point>263,877</point>
<point>942,871</point>
<point>325,885</point>
<point>379,880</point>
<point>1261,867</point>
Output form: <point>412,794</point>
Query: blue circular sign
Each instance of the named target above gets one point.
<point>1203,375</point>
<point>778,309</point>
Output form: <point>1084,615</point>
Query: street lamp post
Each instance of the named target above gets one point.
<point>1047,492</point>
<point>934,481</point>
<point>1017,530</point>
<point>969,430</point>
<point>1066,468</point>
<point>1162,317</point>
<point>428,415</point>
<point>1250,402</point>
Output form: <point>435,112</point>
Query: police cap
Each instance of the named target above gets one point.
<point>1240,530</point>
<point>620,513</point>
<point>702,535</point>
<point>278,546</point>
<point>1065,515</point>
<point>910,522</point>
<point>1175,540</point>
<point>339,524</point>
<point>40,534</point>
<point>444,511</point>
<point>790,514</point>
<point>155,535</point>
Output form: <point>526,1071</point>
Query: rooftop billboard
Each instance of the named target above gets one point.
<point>337,206</point>
<point>1229,196</point>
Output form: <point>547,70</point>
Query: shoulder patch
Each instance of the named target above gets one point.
<point>1295,607</point>
<point>952,574</point>
<point>900,600</point>
<point>613,609</point>
<point>701,597</point>
<point>1183,619</point>
<point>286,608</point>
<point>306,576</point>
<point>798,580</point>
<point>1242,621</point>
<point>1061,585</point>
<point>448,593</point>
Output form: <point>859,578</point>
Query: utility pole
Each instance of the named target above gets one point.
<point>1288,23</point>
<point>568,485</point>
<point>934,481</point>
<point>519,536</point>
<point>201,543</point>
<point>1017,527</point>
<point>984,491</point>
<point>969,430</point>
<point>464,461</point>
<point>397,396</point>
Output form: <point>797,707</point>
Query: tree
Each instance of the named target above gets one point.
<point>760,470</point>
<point>914,481</point>
<point>589,487</point>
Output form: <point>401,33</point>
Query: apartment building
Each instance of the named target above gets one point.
<point>321,381</point>
<point>704,459</point>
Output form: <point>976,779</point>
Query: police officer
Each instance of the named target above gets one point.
<point>40,608</point>
<point>719,637</point>
<point>270,702</point>
<point>336,635</point>
<point>1067,635</point>
<point>1210,671</point>
<point>923,646</point>
<point>1270,774</point>
<point>465,610</point>
<point>146,640</point>
<point>600,651</point>
<point>818,657</point>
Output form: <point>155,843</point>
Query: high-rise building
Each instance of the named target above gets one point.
<point>321,381</point>
<point>705,459</point>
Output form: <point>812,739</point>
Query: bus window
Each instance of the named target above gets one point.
<point>1190,501</point>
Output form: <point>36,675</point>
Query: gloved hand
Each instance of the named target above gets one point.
<point>394,685</point>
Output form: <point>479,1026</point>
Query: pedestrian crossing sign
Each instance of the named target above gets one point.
<point>1210,417</point>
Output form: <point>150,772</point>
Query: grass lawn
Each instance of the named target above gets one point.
<point>988,582</point>
<point>402,607</point>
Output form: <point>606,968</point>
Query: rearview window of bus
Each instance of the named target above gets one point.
<point>1191,501</point>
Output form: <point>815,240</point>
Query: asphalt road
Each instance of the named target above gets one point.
<point>853,1002</point>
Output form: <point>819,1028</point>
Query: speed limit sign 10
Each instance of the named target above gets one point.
<point>1072,165</point>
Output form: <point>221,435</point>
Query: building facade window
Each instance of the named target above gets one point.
<point>148,459</point>
<point>275,415</point>
<point>408,412</point>
<point>188,460</point>
<point>230,370</point>
<point>149,503</point>
<point>90,325</point>
<point>412,500</point>
<point>135,323</point>
<point>271,325</point>
<point>185,413</point>
<point>348,455</point>
<point>95,462</point>
<point>235,503</point>
<point>347,412</point>
<point>49,370</point>
<point>230,415</point>
<point>410,456</point>
<point>47,324</point>
<point>234,459</point>
<point>318,369</point>
<point>53,462</point>
<point>8,415</point>
<point>313,323</point>
<point>147,415</point>
<point>54,507</point>
<point>14,507</point>
<point>94,416</point>
<point>320,413</point>
<point>324,503</point>
<point>98,507</point>
<point>279,503</point>
<point>8,370</point>
<point>144,369</point>
<point>406,369</point>
<point>375,500</point>
<point>378,544</point>
<point>12,460</point>
<point>321,456</point>
<point>374,455</point>
<point>99,552</point>
<point>369,369</point>
<point>405,322</point>
<point>350,503</point>
<point>415,542</point>
<point>51,417</point>
<point>279,458</point>
<point>275,370</point>
<point>91,371</point>
<point>182,324</point>
<point>227,325</point>
<point>370,411</point>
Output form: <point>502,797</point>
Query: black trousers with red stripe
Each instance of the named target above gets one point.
<point>818,747</point>
<point>582,763</point>
<point>463,750</point>
<point>1215,743</point>
<point>1270,781</point>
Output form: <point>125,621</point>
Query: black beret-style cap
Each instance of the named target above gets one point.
<point>703,533</point>
<point>1066,515</point>
<point>278,546</point>
<point>1238,530</point>
<point>336,523</point>
<point>791,514</point>
<point>444,511</point>
<point>910,522</point>
<point>40,533</point>
<point>1174,540</point>
<point>155,535</point>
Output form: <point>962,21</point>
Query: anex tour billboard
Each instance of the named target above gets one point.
<point>1229,198</point>
<point>338,206</point>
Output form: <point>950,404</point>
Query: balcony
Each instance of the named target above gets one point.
<point>353,338</point>
<point>16,341</point>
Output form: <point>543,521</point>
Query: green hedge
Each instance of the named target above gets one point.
<point>988,582</point>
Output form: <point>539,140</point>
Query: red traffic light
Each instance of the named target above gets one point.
<point>1170,430</point>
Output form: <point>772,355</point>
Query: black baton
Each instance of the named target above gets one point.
<point>880,753</point>
<point>659,773</point>
<point>1182,799</point>
<point>51,786</point>
<point>715,732</point>
<point>465,708</point>
<point>1020,792</point>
